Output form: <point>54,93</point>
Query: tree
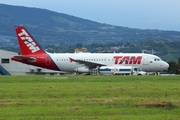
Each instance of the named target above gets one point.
<point>128,43</point>
<point>120,43</point>
<point>173,67</point>
<point>79,45</point>
<point>179,61</point>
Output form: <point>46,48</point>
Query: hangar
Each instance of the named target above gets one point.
<point>10,67</point>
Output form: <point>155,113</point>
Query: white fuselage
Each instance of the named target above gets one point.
<point>147,62</point>
<point>33,54</point>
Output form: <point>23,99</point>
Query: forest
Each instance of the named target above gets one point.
<point>59,32</point>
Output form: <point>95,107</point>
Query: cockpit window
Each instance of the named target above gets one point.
<point>157,59</point>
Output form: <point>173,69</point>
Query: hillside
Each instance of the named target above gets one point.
<point>50,27</point>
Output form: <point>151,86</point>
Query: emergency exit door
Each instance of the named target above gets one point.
<point>145,60</point>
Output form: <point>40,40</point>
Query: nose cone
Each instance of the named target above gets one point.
<point>165,65</point>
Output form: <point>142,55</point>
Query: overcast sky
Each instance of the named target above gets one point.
<point>143,14</point>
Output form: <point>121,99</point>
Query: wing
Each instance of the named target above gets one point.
<point>87,63</point>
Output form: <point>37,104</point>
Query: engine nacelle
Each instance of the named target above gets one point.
<point>82,70</point>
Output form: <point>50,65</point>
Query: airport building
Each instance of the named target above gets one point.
<point>10,67</point>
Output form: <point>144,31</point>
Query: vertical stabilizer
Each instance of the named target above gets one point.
<point>28,44</point>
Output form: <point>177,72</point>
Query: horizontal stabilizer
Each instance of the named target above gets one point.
<point>30,59</point>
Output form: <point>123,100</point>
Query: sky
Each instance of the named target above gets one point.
<point>142,14</point>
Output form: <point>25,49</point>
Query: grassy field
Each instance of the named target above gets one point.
<point>90,97</point>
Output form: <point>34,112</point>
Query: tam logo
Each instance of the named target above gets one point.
<point>127,59</point>
<point>28,41</point>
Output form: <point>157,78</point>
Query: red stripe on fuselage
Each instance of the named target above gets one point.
<point>43,61</point>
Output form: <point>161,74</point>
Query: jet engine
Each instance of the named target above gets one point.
<point>82,70</point>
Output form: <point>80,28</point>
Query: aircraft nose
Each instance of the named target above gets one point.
<point>166,65</point>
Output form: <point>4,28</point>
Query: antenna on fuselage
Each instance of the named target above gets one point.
<point>149,51</point>
<point>143,51</point>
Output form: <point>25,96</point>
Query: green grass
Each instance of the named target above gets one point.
<point>89,97</point>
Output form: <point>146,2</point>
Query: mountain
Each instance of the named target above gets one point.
<point>50,27</point>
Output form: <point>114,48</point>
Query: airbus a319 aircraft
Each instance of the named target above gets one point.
<point>33,54</point>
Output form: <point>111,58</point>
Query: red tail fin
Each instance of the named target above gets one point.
<point>27,43</point>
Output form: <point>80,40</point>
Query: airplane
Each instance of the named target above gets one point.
<point>33,54</point>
